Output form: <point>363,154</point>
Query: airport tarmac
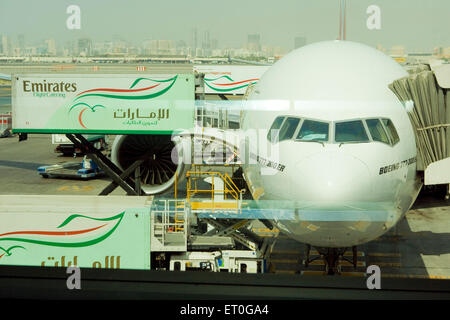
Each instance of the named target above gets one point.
<point>418,247</point>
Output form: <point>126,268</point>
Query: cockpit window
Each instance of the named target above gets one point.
<point>288,128</point>
<point>353,131</point>
<point>350,131</point>
<point>313,131</point>
<point>273,133</point>
<point>377,131</point>
<point>391,131</point>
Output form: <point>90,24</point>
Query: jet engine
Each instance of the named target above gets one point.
<point>162,159</point>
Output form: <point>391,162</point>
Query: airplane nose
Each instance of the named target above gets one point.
<point>332,176</point>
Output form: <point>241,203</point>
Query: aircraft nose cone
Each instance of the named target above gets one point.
<point>333,177</point>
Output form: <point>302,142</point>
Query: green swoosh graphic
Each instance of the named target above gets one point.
<point>7,251</point>
<point>139,79</point>
<point>219,78</point>
<point>74,216</point>
<point>231,89</point>
<point>74,244</point>
<point>150,96</point>
<point>85,104</point>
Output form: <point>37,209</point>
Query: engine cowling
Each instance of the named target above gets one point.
<point>162,159</point>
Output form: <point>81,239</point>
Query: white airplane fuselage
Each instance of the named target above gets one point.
<point>345,192</point>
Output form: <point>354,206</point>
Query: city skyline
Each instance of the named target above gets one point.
<point>205,47</point>
<point>415,24</point>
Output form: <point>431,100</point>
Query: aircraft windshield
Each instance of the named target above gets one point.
<point>391,131</point>
<point>351,131</point>
<point>273,133</point>
<point>288,128</point>
<point>313,131</point>
<point>377,131</point>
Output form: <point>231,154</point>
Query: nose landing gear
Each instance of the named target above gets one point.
<point>331,258</point>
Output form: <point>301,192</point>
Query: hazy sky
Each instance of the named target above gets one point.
<point>416,24</point>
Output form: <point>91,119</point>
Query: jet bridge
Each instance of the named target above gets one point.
<point>425,93</point>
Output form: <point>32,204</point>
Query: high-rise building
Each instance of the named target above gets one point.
<point>30,51</point>
<point>206,45</point>
<point>160,47</point>
<point>299,41</point>
<point>5,45</point>
<point>254,42</point>
<point>194,42</point>
<point>84,47</point>
<point>214,44</point>
<point>70,48</point>
<point>51,47</point>
<point>181,47</point>
<point>21,43</point>
<point>165,47</point>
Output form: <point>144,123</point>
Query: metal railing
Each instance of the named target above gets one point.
<point>230,187</point>
<point>169,217</point>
